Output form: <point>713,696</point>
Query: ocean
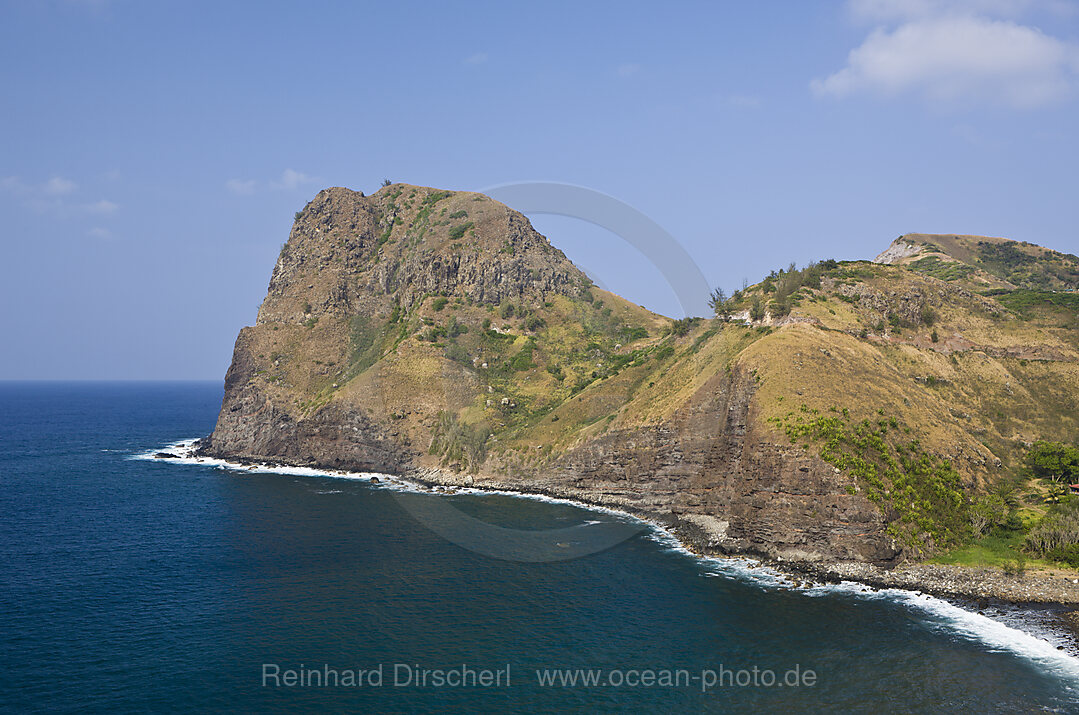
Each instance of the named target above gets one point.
<point>134,584</point>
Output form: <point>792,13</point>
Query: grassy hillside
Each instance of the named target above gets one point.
<point>453,328</point>
<point>931,393</point>
<point>986,262</point>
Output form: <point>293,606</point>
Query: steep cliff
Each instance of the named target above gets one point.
<point>436,333</point>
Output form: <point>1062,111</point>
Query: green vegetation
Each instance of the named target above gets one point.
<point>720,304</point>
<point>366,338</point>
<point>1003,539</point>
<point>523,359</point>
<point>701,339</point>
<point>1047,271</point>
<point>663,352</point>
<point>684,326</point>
<point>1055,461</point>
<point>454,328</point>
<point>496,337</point>
<point>435,196</point>
<point>459,444</point>
<point>987,514</point>
<point>459,230</point>
<point>783,286</point>
<point>385,235</point>
<point>1002,548</point>
<point>433,333</point>
<point>1003,259</point>
<point>439,303</point>
<point>1056,537</point>
<point>757,312</point>
<point>1026,302</point>
<point>922,490</point>
<point>937,267</point>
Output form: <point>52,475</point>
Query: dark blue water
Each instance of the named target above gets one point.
<point>139,585</point>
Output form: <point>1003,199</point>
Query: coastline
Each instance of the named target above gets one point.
<point>1037,604</point>
<point>700,537</point>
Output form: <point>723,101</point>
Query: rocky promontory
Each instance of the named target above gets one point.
<point>435,333</point>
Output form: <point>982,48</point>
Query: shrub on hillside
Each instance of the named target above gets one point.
<point>683,326</point>
<point>1057,535</point>
<point>1055,461</point>
<point>756,310</point>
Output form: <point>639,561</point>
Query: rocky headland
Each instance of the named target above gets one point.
<point>437,336</point>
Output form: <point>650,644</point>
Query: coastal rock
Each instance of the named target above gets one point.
<point>437,336</point>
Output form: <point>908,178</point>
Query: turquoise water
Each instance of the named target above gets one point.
<point>139,585</point>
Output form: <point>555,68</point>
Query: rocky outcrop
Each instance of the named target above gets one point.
<point>707,472</point>
<point>438,335</point>
<point>348,253</point>
<point>901,248</point>
<point>910,306</point>
<point>256,424</point>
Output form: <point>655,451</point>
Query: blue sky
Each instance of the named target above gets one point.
<point>153,153</point>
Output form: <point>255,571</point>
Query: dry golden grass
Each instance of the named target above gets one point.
<point>990,382</point>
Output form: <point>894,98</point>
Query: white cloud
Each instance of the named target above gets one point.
<point>289,180</point>
<point>241,186</point>
<point>477,59</point>
<point>292,179</point>
<point>101,207</point>
<point>54,187</point>
<point>53,197</point>
<point>957,58</point>
<point>99,232</point>
<point>58,186</point>
<point>628,70</point>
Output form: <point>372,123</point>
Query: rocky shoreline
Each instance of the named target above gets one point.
<point>1045,601</point>
<point>1057,588</point>
<point>1045,605</point>
<point>1055,593</point>
<point>974,583</point>
<point>1038,602</point>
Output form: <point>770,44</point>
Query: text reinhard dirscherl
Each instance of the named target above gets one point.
<point>404,675</point>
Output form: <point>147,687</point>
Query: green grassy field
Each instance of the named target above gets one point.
<point>998,550</point>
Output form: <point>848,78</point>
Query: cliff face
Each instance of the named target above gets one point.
<point>352,253</point>
<point>437,334</point>
<point>352,265</point>
<point>712,468</point>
